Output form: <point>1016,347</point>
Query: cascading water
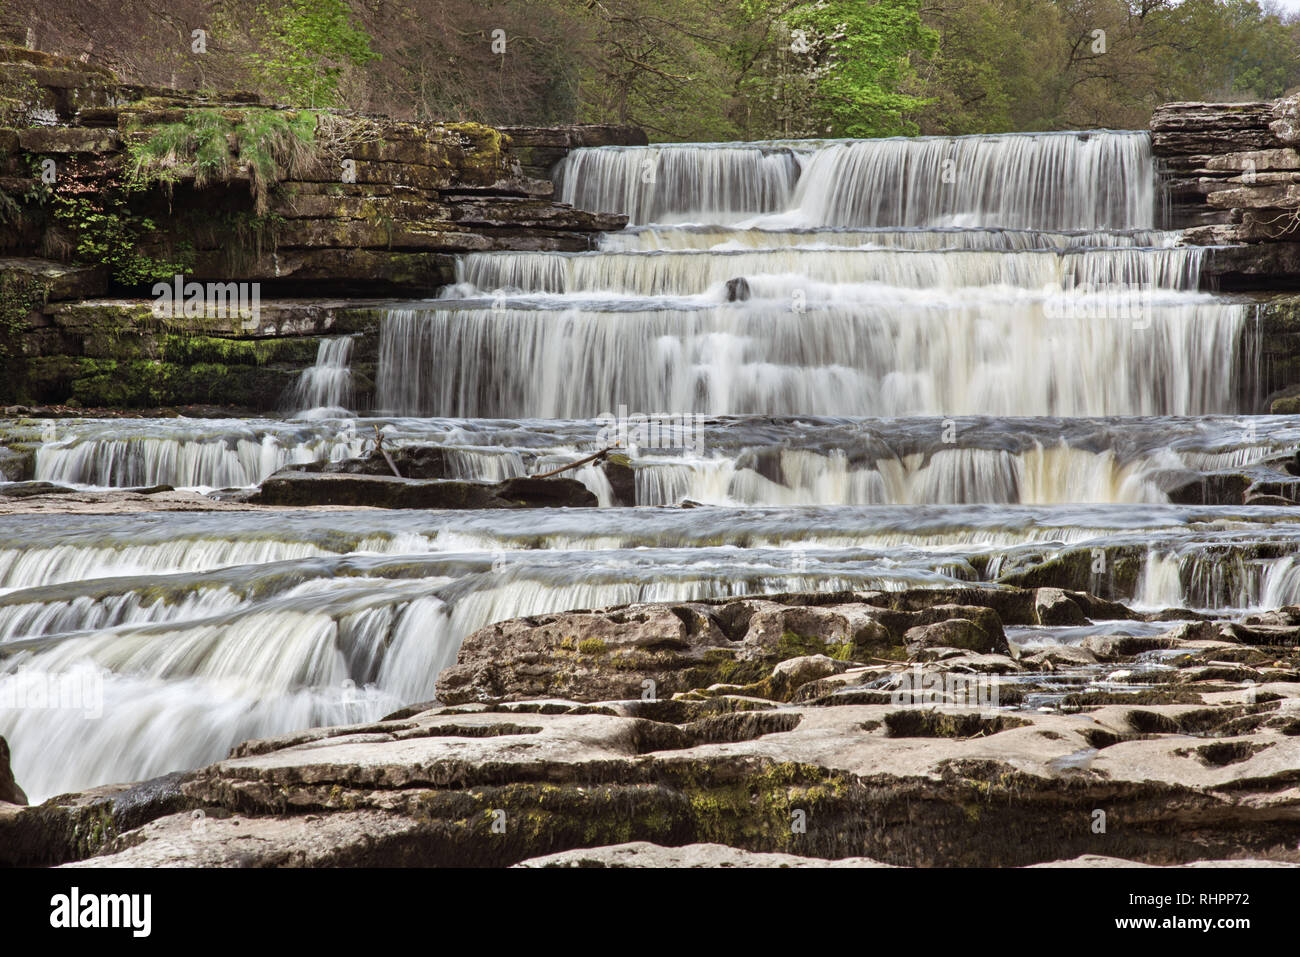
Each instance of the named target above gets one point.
<point>1091,180</point>
<point>830,279</point>
<point>805,460</point>
<point>326,386</point>
<point>896,363</point>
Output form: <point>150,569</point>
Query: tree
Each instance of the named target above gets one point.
<point>857,63</point>
<point>308,44</point>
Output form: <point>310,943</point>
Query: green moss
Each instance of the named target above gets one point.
<point>211,145</point>
<point>150,383</point>
<point>592,646</point>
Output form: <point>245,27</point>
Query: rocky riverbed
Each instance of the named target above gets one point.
<point>925,727</point>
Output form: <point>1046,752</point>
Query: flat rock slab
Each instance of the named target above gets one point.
<point>302,488</point>
<point>1186,743</point>
<point>644,854</point>
<point>892,784</point>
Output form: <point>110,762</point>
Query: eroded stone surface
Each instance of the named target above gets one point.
<point>1188,741</point>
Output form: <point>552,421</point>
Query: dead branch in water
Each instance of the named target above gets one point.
<point>573,465</point>
<point>379,447</point>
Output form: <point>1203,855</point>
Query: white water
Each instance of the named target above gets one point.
<point>192,662</point>
<point>848,315</point>
<point>1040,181</point>
<point>326,386</point>
<point>739,460</point>
<point>1004,275</point>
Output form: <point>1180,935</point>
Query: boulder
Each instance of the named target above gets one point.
<point>10,792</point>
<point>1052,606</point>
<point>961,633</point>
<point>664,649</point>
<point>299,487</point>
<point>793,673</point>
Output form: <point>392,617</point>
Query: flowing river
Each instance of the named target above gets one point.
<point>870,365</point>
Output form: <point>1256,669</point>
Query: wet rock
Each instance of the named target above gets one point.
<point>645,854</point>
<point>1059,656</point>
<point>10,792</point>
<point>33,489</point>
<point>16,465</point>
<point>795,672</point>
<point>1052,606</point>
<point>412,461</point>
<point>913,786</point>
<point>302,488</point>
<point>72,826</point>
<point>951,633</point>
<point>970,628</point>
<point>622,479</point>
<point>1116,647</point>
<point>1273,500</point>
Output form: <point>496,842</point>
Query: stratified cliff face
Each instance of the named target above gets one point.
<point>1232,178</point>
<point>377,208</point>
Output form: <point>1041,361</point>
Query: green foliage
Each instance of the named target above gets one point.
<point>309,44</point>
<point>105,232</point>
<point>19,295</point>
<point>720,69</point>
<point>9,208</point>
<point>1053,64</point>
<point>214,146</point>
<point>860,61</point>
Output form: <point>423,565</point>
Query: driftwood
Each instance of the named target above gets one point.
<point>573,465</point>
<point>379,447</point>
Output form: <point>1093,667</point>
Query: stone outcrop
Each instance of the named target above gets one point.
<point>539,148</point>
<point>1202,148</point>
<point>379,212</point>
<point>864,763</point>
<point>1232,177</point>
<point>645,854</point>
<point>116,353</point>
<point>622,652</point>
<point>297,487</point>
<point>10,792</point>
<point>382,209</point>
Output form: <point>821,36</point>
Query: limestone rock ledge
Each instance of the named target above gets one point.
<point>1232,179</point>
<point>1191,756</point>
<point>381,214</point>
<point>381,209</point>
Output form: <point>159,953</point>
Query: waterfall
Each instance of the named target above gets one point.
<point>723,239</point>
<point>326,386</point>
<point>912,355</point>
<point>1096,180</point>
<point>905,363</point>
<point>348,620</point>
<point>680,183</point>
<point>184,453</point>
<point>731,460</point>
<point>1001,275</point>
